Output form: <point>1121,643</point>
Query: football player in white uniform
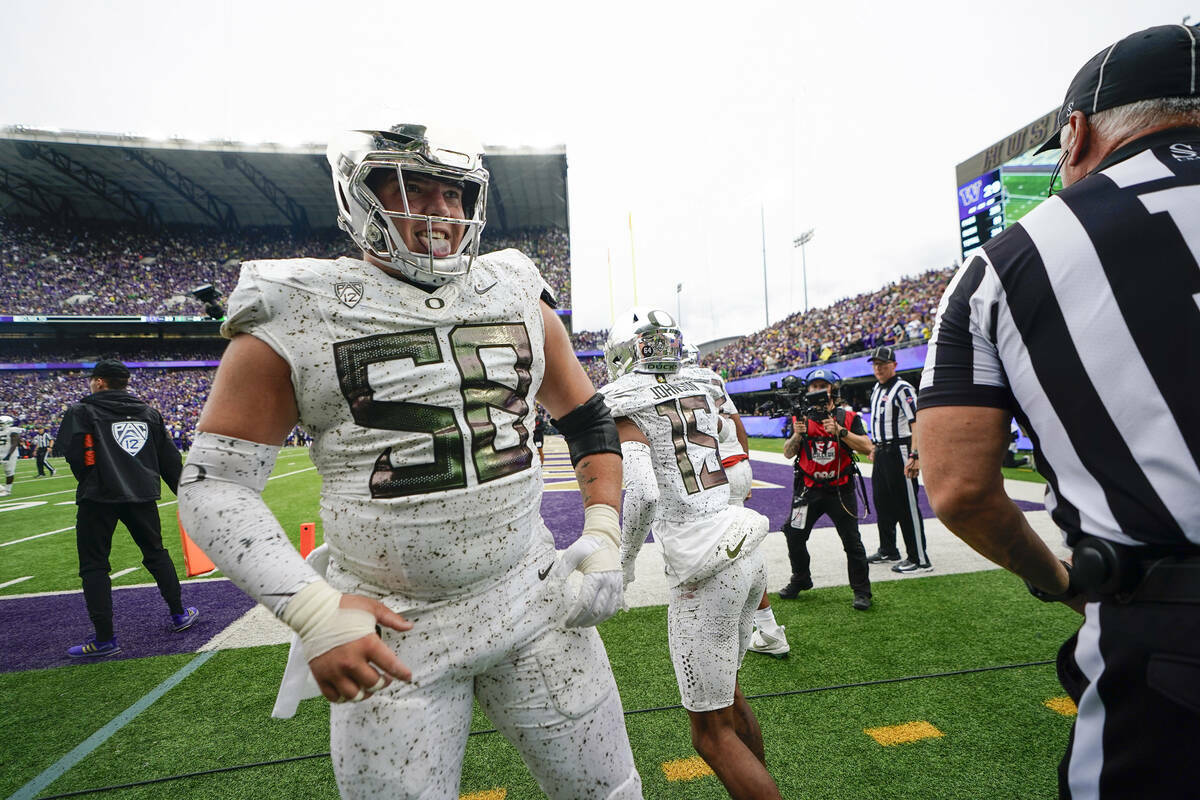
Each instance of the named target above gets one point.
<point>10,441</point>
<point>668,423</point>
<point>769,637</point>
<point>415,370</point>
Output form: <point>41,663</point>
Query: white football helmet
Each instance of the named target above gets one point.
<point>6,421</point>
<point>643,339</point>
<point>357,157</point>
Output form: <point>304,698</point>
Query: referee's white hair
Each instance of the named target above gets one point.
<point>1123,121</point>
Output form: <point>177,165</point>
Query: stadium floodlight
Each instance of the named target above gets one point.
<point>208,295</point>
<point>800,241</point>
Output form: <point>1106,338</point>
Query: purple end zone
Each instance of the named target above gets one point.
<point>35,632</point>
<point>564,515</point>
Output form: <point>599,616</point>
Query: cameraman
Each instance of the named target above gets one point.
<point>821,443</point>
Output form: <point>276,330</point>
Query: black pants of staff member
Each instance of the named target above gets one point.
<point>94,526</point>
<point>1133,670</point>
<point>896,502</point>
<point>841,505</point>
<point>42,464</point>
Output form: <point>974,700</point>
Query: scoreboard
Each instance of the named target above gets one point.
<point>999,185</point>
<point>980,211</point>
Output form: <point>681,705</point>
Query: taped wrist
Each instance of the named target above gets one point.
<point>641,498</point>
<point>222,510</point>
<point>589,429</point>
<point>604,523</point>
<point>315,614</point>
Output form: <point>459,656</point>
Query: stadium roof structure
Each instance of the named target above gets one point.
<point>106,177</point>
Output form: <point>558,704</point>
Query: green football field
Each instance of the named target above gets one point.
<point>944,689</point>
<point>1024,191</point>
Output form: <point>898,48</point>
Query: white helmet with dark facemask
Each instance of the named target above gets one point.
<point>363,160</point>
<point>643,340</point>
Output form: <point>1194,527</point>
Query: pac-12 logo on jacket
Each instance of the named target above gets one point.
<point>349,293</point>
<point>131,435</point>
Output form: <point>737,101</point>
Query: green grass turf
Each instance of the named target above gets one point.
<point>52,560</point>
<point>999,740</point>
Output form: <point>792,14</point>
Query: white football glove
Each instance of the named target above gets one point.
<point>594,554</point>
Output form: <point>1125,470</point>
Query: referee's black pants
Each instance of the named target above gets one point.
<point>94,526</point>
<point>895,499</point>
<point>42,465</point>
<point>841,504</point>
<point>1133,670</point>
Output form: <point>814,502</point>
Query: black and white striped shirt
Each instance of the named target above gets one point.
<point>893,409</point>
<point>41,440</point>
<point>1084,320</point>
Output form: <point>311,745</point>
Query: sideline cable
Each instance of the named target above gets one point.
<point>764,696</point>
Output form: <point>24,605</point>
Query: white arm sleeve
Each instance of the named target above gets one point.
<point>641,500</point>
<point>222,510</point>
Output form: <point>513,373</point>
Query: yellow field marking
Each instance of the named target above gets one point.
<point>686,769</point>
<point>1062,705</point>
<point>489,794</point>
<point>902,734</point>
<point>562,486</point>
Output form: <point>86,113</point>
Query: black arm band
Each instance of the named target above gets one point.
<point>589,429</point>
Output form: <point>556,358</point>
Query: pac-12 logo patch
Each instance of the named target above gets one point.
<point>349,293</point>
<point>130,435</point>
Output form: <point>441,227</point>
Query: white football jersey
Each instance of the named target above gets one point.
<point>421,408</point>
<point>6,434</point>
<point>727,440</point>
<point>678,415</point>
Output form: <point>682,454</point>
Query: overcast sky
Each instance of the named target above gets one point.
<point>693,119</point>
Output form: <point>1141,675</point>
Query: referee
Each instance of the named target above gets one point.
<point>42,442</point>
<point>894,476</point>
<point>1083,320</point>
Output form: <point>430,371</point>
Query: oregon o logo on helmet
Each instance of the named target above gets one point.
<point>661,319</point>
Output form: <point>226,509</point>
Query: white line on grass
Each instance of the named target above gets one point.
<point>123,572</point>
<point>160,505</point>
<point>15,580</point>
<point>84,749</point>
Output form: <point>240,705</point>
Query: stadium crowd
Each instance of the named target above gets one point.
<point>123,270</point>
<point>900,311</point>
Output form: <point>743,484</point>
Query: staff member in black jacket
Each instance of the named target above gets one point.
<point>117,447</point>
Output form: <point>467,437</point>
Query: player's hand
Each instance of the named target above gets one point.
<point>630,572</point>
<point>356,670</point>
<point>601,593</point>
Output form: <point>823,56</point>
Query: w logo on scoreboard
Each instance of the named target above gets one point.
<point>130,435</point>
<point>970,193</point>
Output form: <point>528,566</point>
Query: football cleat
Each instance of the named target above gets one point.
<point>908,566</point>
<point>879,557</point>
<point>184,620</point>
<point>643,340</point>
<point>772,644</point>
<point>365,161</point>
<point>95,649</point>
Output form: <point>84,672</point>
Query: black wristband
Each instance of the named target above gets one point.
<point>588,429</point>
<point>1046,597</point>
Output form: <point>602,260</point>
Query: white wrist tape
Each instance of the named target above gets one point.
<point>315,615</point>
<point>222,510</point>
<point>604,523</point>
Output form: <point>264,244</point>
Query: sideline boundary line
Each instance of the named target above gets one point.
<point>81,751</point>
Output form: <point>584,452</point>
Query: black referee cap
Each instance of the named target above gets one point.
<point>110,368</point>
<point>1157,62</point>
<point>882,353</point>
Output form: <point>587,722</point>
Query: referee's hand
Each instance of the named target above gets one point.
<point>912,468</point>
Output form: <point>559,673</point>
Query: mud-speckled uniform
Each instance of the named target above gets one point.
<point>7,432</point>
<point>710,548</point>
<point>421,409</point>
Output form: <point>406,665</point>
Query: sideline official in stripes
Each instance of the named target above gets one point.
<point>1083,319</point>
<point>897,463</point>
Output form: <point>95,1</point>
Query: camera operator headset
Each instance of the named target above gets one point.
<point>822,441</point>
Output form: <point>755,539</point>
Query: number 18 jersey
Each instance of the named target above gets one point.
<point>420,405</point>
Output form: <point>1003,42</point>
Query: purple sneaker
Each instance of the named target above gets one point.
<point>95,649</point>
<point>184,620</point>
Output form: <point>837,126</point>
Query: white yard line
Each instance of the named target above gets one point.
<point>160,505</point>
<point>14,580</point>
<point>123,572</point>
